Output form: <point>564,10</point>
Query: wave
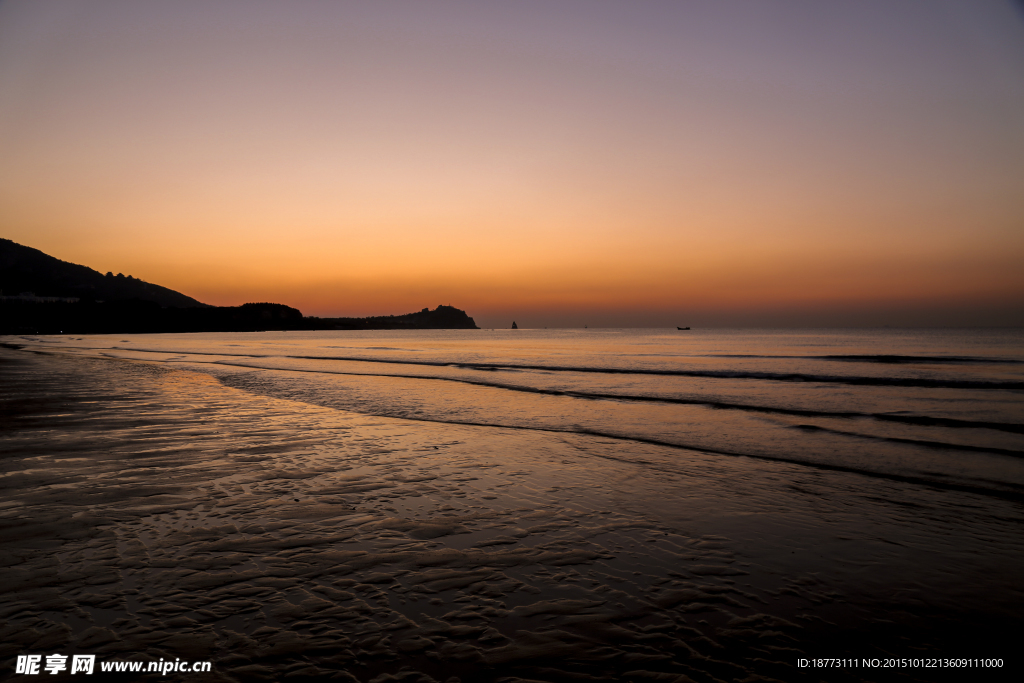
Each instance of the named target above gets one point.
<point>945,360</point>
<point>917,382</point>
<point>917,420</point>
<point>371,348</point>
<point>936,383</point>
<point>940,445</point>
<point>879,470</point>
<point>1005,490</point>
<point>885,359</point>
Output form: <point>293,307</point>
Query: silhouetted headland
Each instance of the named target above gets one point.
<point>40,294</point>
<point>31,275</point>
<point>441,318</point>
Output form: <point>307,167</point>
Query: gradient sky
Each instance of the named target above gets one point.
<point>786,162</point>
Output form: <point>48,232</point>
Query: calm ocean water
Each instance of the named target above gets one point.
<point>941,408</point>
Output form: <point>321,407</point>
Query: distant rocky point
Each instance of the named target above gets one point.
<point>40,294</point>
<point>441,318</point>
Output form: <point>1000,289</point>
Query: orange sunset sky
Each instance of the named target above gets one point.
<point>785,162</point>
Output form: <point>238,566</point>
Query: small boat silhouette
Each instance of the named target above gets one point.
<point>514,326</point>
<point>682,328</point>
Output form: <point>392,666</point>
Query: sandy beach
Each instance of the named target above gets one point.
<point>153,513</point>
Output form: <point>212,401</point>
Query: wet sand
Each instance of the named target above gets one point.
<point>156,513</point>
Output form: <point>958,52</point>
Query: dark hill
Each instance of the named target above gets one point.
<point>40,294</point>
<point>24,269</point>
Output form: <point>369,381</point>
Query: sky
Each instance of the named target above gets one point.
<point>557,163</point>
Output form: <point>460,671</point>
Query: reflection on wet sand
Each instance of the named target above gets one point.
<point>156,513</point>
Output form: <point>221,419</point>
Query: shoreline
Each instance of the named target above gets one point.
<point>160,513</point>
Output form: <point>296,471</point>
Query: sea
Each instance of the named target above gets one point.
<point>734,502</point>
<point>940,408</point>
